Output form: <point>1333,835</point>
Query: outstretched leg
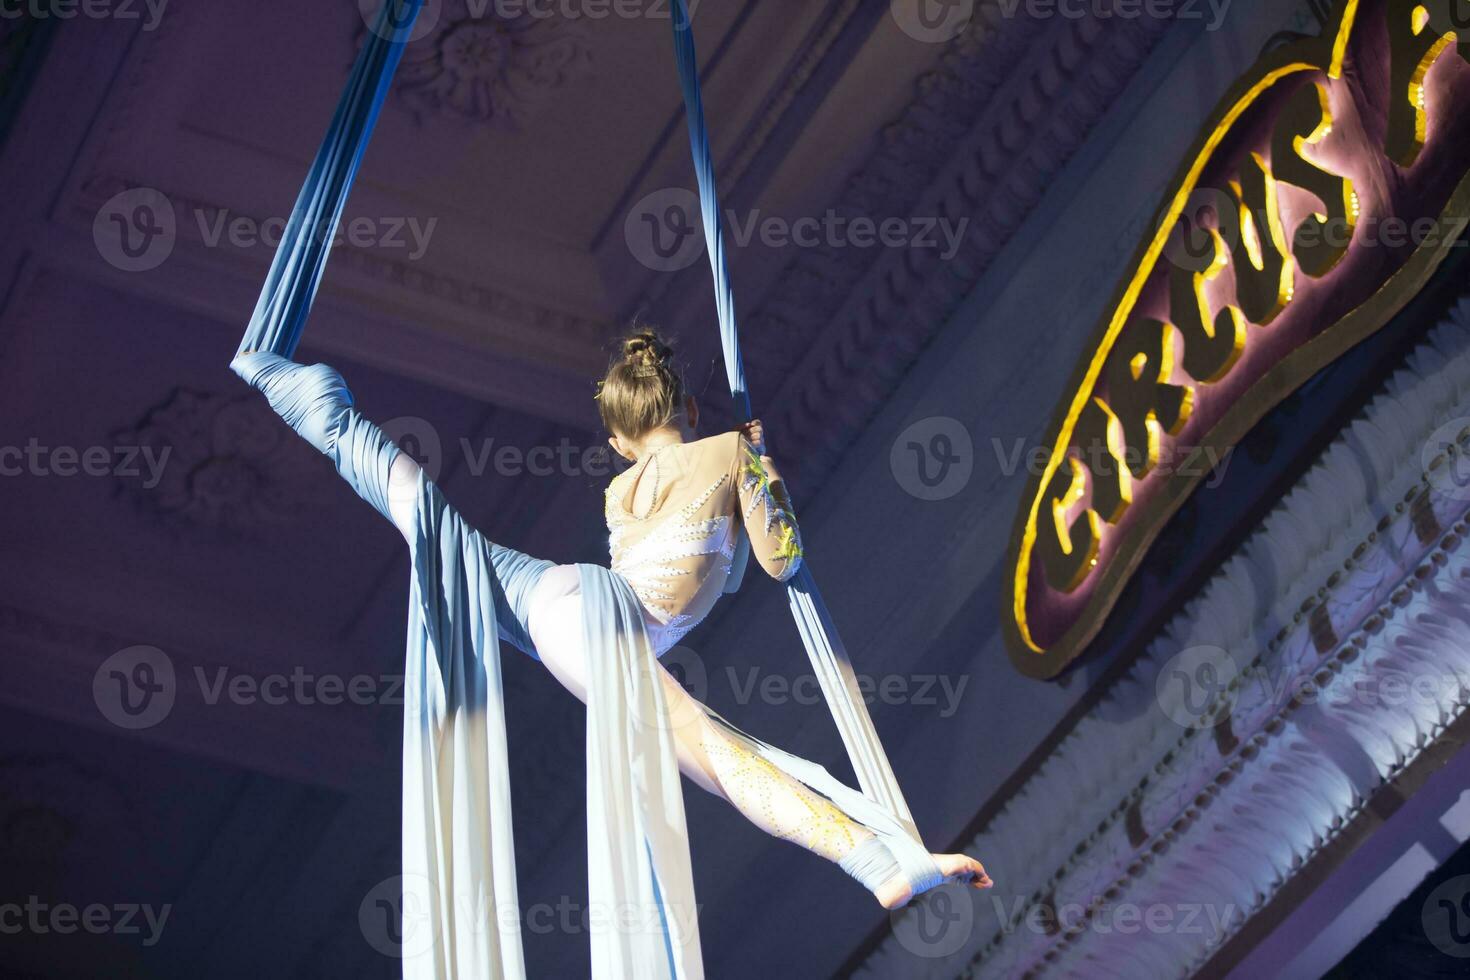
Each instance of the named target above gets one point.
<point>716,760</point>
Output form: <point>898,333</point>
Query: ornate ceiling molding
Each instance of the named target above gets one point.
<point>987,131</point>
<point>224,462</point>
<point>830,27</point>
<point>371,265</point>
<point>1256,726</point>
<point>485,67</point>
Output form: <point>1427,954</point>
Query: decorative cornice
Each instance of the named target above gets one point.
<point>986,132</point>
<point>130,110</point>
<point>1359,579</point>
<point>410,276</point>
<point>830,26</point>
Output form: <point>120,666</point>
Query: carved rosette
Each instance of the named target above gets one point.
<point>226,463</point>
<point>478,65</point>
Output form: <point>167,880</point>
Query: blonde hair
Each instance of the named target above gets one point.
<point>643,390</point>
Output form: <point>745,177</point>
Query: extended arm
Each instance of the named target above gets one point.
<point>314,400</point>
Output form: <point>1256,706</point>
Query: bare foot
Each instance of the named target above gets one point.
<point>895,892</point>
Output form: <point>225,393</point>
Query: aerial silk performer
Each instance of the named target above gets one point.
<point>678,520</point>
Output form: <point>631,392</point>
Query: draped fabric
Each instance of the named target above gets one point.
<point>819,635</point>
<point>458,861</point>
<point>460,906</point>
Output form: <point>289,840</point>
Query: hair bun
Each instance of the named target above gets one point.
<point>646,350</point>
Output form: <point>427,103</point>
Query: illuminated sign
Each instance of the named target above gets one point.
<point>1326,189</point>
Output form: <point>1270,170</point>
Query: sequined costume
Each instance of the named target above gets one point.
<point>675,545</point>
<point>590,627</point>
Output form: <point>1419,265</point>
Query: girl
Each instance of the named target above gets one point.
<point>674,519</point>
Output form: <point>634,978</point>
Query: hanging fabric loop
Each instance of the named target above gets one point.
<point>306,245</point>
<point>819,635</point>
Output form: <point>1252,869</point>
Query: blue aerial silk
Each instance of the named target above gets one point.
<point>467,593</point>
<point>819,635</point>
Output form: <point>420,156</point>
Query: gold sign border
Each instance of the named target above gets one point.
<point>1322,53</point>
